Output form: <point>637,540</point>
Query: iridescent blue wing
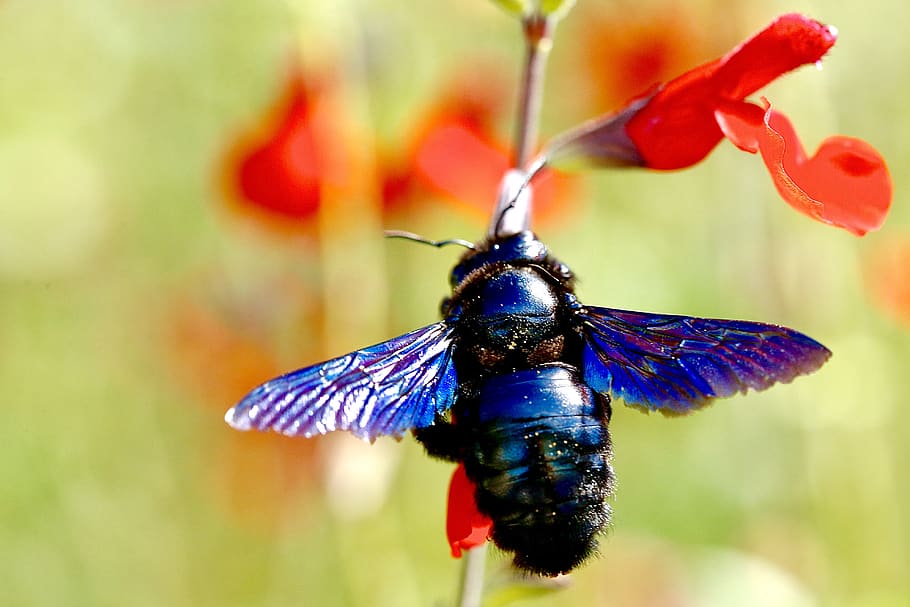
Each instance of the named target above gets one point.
<point>674,364</point>
<point>385,389</point>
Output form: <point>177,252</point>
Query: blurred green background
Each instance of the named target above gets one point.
<point>140,297</point>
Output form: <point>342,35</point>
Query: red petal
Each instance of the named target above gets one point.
<point>677,127</point>
<point>466,527</point>
<point>740,123</point>
<point>458,162</point>
<point>282,176</point>
<point>628,50</point>
<point>281,169</point>
<point>846,183</point>
<point>467,166</point>
<point>453,150</point>
<point>456,152</point>
<point>787,43</point>
<point>888,277</point>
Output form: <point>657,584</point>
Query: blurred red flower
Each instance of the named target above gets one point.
<point>278,170</point>
<point>627,51</point>
<point>888,278</point>
<point>456,152</point>
<point>259,476</point>
<point>466,527</point>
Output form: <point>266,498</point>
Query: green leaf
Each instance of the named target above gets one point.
<point>554,8</point>
<point>515,7</point>
<point>519,589</point>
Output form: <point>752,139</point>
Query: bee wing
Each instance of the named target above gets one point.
<point>674,364</point>
<point>384,389</point>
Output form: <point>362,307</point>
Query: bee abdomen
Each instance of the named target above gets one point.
<point>539,455</point>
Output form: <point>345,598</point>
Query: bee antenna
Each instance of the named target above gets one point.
<point>434,243</point>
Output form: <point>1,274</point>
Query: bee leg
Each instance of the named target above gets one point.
<point>441,439</point>
<point>606,411</point>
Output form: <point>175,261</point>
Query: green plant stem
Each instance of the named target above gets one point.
<point>471,590</point>
<point>538,31</point>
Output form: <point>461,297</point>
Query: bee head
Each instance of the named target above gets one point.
<point>519,249</point>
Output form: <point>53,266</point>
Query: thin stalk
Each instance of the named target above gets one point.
<point>513,209</point>
<point>538,30</point>
<point>471,591</point>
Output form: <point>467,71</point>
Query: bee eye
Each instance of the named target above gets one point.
<point>445,305</point>
<point>457,275</point>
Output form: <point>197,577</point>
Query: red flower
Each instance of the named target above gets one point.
<point>888,278</point>
<point>455,137</point>
<point>627,50</point>
<point>846,183</point>
<point>677,127</point>
<point>259,478</point>
<point>457,152</point>
<point>280,170</point>
<point>466,527</point>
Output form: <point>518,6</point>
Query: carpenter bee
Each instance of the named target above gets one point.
<point>517,380</point>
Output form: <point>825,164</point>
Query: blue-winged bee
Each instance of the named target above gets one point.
<point>516,382</point>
